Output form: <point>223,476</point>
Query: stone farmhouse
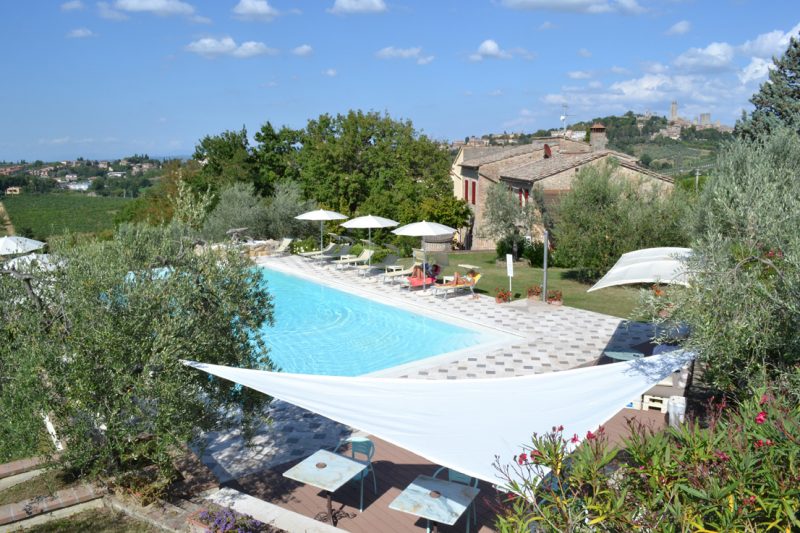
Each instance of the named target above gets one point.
<point>550,164</point>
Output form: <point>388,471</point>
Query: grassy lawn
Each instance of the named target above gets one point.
<point>96,521</point>
<point>56,213</point>
<point>615,301</point>
<point>44,485</point>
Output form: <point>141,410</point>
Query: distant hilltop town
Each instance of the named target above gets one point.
<point>672,128</point>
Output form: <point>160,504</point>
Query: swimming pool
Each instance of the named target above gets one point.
<point>321,330</point>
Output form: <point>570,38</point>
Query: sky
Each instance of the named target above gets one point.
<point>112,78</point>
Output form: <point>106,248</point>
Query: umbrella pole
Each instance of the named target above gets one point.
<point>320,235</point>
<point>424,265</point>
<point>369,241</point>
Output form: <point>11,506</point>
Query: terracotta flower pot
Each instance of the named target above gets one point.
<point>555,302</point>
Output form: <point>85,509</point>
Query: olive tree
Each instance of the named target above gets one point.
<point>97,345</point>
<point>505,215</point>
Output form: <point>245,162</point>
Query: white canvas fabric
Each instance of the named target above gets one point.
<point>18,245</point>
<point>464,424</point>
<point>651,265</point>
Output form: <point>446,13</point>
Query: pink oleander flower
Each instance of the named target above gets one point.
<point>522,458</point>
<point>761,417</point>
<point>575,439</point>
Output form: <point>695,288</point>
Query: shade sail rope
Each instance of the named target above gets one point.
<point>463,424</point>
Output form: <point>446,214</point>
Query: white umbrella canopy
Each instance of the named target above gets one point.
<point>424,229</point>
<point>322,215</point>
<point>369,222</point>
<point>650,265</point>
<point>18,245</point>
<point>32,262</point>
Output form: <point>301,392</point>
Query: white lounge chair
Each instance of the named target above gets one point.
<point>313,253</point>
<point>283,247</point>
<point>363,257</point>
<point>399,274</point>
<point>463,284</point>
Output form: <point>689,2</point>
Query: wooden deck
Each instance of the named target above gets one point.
<point>395,469</point>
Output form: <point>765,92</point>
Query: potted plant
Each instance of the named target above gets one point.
<point>502,296</point>
<point>554,297</point>
<point>534,291</point>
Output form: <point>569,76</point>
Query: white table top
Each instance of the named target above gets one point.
<point>453,499</point>
<point>337,471</point>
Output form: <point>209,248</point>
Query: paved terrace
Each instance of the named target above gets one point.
<point>531,338</point>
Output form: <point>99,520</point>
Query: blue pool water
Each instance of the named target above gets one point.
<point>320,330</point>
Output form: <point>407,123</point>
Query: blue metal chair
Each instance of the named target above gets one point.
<point>366,448</point>
<point>458,477</point>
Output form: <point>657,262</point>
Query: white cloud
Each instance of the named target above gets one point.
<point>358,6</point>
<point>654,67</point>
<point>524,53</point>
<point>104,10</point>
<point>252,49</point>
<point>330,72</point>
<point>197,19</point>
<point>303,50</point>
<point>755,70</point>
<point>489,49</point>
<point>595,84</point>
<point>72,5</point>
<point>579,75</point>
<point>715,56</point>
<point>577,6</point>
<point>769,44</point>
<point>390,52</point>
<point>546,25</point>
<point>425,60</point>
<point>679,28</point>
<point>255,10</point>
<point>156,7</point>
<point>584,52</point>
<point>210,47</point>
<point>620,70</point>
<point>80,33</point>
<point>496,92</point>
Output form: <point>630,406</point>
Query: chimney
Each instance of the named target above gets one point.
<point>597,137</point>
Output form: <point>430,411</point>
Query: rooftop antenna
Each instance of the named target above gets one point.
<point>563,119</point>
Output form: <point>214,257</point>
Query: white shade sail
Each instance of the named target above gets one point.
<point>650,265</point>
<point>369,222</point>
<point>18,245</point>
<point>32,262</point>
<point>424,229</point>
<point>464,424</point>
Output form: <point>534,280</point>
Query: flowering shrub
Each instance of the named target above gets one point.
<point>534,290</point>
<point>741,472</point>
<point>502,295</point>
<point>221,519</point>
<point>554,295</point>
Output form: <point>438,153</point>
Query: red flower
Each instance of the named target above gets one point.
<point>575,439</point>
<point>761,417</point>
<point>560,428</point>
<point>768,442</point>
<point>722,456</point>
<point>522,458</point>
<point>590,435</point>
<point>759,443</point>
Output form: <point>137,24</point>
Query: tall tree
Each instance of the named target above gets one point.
<point>505,215</point>
<point>276,156</point>
<point>777,102</point>
<point>225,159</point>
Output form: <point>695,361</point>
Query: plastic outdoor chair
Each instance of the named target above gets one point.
<point>365,448</point>
<point>458,477</point>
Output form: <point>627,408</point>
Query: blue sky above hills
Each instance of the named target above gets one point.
<point>106,79</point>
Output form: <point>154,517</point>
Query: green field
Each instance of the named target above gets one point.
<point>615,301</point>
<point>57,213</point>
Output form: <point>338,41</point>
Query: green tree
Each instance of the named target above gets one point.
<point>777,102</point>
<point>743,307</point>
<point>276,156</point>
<point>505,216</point>
<point>225,159</point>
<point>238,207</point>
<point>282,207</point>
<point>97,344</point>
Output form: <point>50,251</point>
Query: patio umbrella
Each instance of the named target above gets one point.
<point>651,265</point>
<point>18,245</point>
<point>424,229</point>
<point>322,216</point>
<point>369,222</point>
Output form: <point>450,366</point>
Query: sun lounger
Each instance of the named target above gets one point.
<point>332,254</point>
<point>413,283</point>
<point>283,247</point>
<point>464,283</point>
<point>354,261</point>
<point>313,253</point>
<point>388,261</point>
<point>395,275</point>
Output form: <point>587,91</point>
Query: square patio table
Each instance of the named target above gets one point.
<point>437,500</point>
<point>327,471</point>
<point>623,355</point>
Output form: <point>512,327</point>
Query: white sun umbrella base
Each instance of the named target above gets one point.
<point>322,215</point>
<point>368,222</point>
<point>18,245</point>
<point>650,265</point>
<point>424,229</point>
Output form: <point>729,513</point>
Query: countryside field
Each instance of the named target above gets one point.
<point>56,213</point>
